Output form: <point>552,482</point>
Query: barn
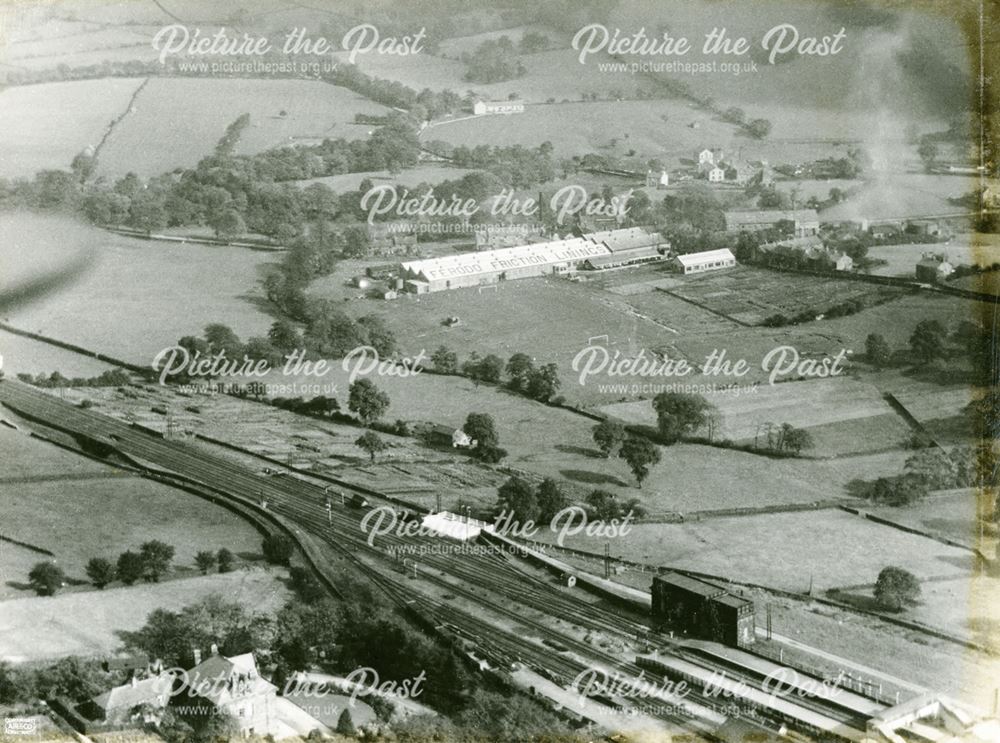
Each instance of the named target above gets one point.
<point>708,260</point>
<point>703,610</point>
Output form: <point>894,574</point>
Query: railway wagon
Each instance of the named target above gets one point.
<point>703,610</point>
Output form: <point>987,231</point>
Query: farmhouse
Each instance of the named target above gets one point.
<point>481,108</point>
<point>492,266</point>
<point>933,267</point>
<point>717,174</point>
<point>804,221</point>
<point>709,156</point>
<point>709,260</point>
<point>450,435</point>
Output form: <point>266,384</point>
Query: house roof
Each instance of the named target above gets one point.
<point>211,678</point>
<point>636,254</point>
<point>707,256</point>
<point>692,585</point>
<point>127,696</point>
<point>729,600</point>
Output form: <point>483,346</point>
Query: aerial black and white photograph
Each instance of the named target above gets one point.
<point>473,371</point>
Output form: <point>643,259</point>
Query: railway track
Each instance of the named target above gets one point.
<point>501,587</point>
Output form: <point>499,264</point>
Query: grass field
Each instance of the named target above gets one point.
<point>46,126</point>
<point>844,415</point>
<point>172,127</point>
<point>963,249</point>
<point>830,548</point>
<point>62,506</point>
<point>901,195</point>
<point>40,628</point>
<point>750,295</point>
<point>139,296</point>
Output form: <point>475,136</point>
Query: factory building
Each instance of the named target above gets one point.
<point>702,610</point>
<point>491,266</point>
<point>627,247</point>
<point>708,260</point>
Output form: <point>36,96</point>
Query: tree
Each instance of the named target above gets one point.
<point>205,561</point>
<point>759,128</point>
<point>100,571</point>
<point>798,439</point>
<point>277,548</point>
<point>551,499</point>
<point>284,336</point>
<point>927,341</point>
<point>519,368</point>
<point>445,360</point>
<point>895,588</point>
<point>480,428</point>
<point>225,559</point>
<point>372,443</point>
<point>156,557</point>
<point>928,152</point>
<point>490,368</point>
<point>222,338</point>
<point>603,505</point>
<point>935,469</point>
<point>640,454</point>
<point>679,414</point>
<point>367,400</point>
<point>608,435</point>
<point>543,383</point>
<point>516,496</point>
<point>877,351</point>
<point>227,224</point>
<point>345,725</point>
<point>46,578</point>
<point>129,567</point>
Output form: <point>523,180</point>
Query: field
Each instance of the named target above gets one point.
<point>963,249</point>
<point>74,495</point>
<point>900,195</point>
<point>843,415</point>
<point>827,548</point>
<point>750,295</point>
<point>46,126</point>
<point>170,125</point>
<point>658,128</point>
<point>137,296</point>
<point>40,628</point>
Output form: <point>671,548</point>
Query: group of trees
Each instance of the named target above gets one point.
<point>933,468</point>
<point>527,502</point>
<point>638,452</point>
<point>931,342</point>
<point>540,383</point>
<point>149,563</point>
<point>109,378</point>
<point>493,61</point>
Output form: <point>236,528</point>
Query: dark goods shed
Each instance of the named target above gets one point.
<point>703,610</point>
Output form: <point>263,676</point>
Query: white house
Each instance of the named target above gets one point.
<point>717,175</point>
<point>481,108</point>
<point>710,156</point>
<point>709,260</point>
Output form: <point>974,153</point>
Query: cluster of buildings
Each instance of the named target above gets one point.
<point>809,249</point>
<point>804,222</point>
<point>933,267</point>
<point>712,165</point>
<point>229,685</point>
